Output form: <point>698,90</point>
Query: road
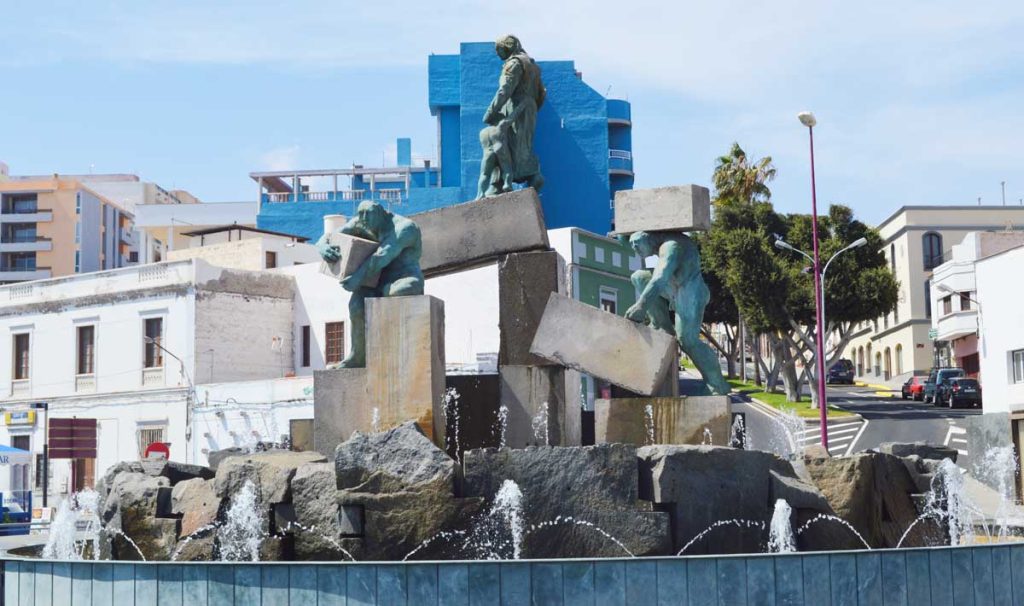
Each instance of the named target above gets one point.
<point>883,419</point>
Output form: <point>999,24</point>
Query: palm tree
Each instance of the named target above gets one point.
<point>737,181</point>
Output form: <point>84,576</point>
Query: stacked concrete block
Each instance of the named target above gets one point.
<point>675,208</point>
<point>352,252</point>
<point>525,281</point>
<point>403,379</point>
<point>624,353</point>
<point>688,420</point>
<point>542,404</point>
<point>466,235</point>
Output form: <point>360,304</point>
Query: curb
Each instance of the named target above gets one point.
<point>851,417</point>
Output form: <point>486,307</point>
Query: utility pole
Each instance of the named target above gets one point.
<point>45,407</point>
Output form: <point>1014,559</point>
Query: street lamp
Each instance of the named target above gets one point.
<point>189,399</point>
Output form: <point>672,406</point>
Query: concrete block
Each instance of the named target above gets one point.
<point>405,363</point>
<point>543,404</point>
<point>466,235</point>
<point>353,252</point>
<point>525,281</point>
<point>593,341</point>
<point>675,208</point>
<point>645,421</point>
<point>340,406</point>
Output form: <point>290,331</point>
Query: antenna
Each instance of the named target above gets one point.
<point>1003,184</point>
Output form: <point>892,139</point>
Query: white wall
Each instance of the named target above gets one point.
<point>244,413</point>
<point>470,313</point>
<point>1000,293</point>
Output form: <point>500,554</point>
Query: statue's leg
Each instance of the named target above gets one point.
<point>504,182</point>
<point>357,324</point>
<point>691,300</point>
<point>403,287</point>
<point>485,176</point>
<point>658,313</point>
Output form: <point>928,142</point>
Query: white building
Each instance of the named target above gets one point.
<point>1002,343</point>
<point>127,347</point>
<point>955,319</point>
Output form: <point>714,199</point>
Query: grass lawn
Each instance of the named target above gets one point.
<point>777,400</point>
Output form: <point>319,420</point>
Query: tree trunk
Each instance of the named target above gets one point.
<point>790,382</point>
<point>743,350</point>
<point>757,360</point>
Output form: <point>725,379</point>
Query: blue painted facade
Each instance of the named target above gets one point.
<point>583,141</point>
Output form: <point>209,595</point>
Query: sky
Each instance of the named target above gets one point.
<point>918,102</point>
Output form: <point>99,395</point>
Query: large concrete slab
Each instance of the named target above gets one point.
<point>405,362</point>
<point>644,421</point>
<point>542,405</point>
<point>340,407</point>
<point>353,252</point>
<point>525,281</point>
<point>593,341</point>
<point>466,235</point>
<point>674,208</point>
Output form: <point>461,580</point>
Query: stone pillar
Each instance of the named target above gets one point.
<point>525,281</point>
<point>403,379</point>
<point>666,421</point>
<point>526,390</point>
<point>405,362</point>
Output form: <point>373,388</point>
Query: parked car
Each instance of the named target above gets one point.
<point>959,391</point>
<point>914,388</point>
<point>841,372</point>
<point>936,377</point>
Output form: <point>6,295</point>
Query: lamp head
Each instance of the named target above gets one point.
<point>859,242</point>
<point>780,243</point>
<point>807,119</point>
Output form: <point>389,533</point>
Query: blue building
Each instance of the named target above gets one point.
<point>583,141</point>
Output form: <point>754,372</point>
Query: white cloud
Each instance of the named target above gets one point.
<point>280,158</point>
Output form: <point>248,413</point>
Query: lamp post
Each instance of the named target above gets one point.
<point>782,244</point>
<point>189,398</point>
<point>45,407</point>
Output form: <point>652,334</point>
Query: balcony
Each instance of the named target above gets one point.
<point>620,162</point>
<point>25,244</point>
<point>619,112</point>
<point>20,388</point>
<point>33,215</point>
<point>957,324</point>
<point>24,274</point>
<point>153,377</point>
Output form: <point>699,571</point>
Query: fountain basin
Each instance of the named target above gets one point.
<point>946,575</point>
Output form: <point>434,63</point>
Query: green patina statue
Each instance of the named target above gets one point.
<point>394,267</point>
<point>512,118</point>
<point>675,284</point>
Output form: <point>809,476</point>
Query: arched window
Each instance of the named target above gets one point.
<point>899,359</point>
<point>878,363</point>
<point>869,358</point>
<point>931,245</point>
<point>860,361</point>
<point>888,363</point>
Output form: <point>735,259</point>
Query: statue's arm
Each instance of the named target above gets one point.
<point>389,249</point>
<point>511,74</point>
<point>668,263</point>
<point>355,228</point>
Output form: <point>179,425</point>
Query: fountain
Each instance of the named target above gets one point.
<point>62,542</point>
<point>450,409</point>
<point>502,424</point>
<point>242,532</point>
<point>780,530</point>
<point>508,505</point>
<point>540,425</point>
<point>649,422</point>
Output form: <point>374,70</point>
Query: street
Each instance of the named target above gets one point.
<point>883,419</point>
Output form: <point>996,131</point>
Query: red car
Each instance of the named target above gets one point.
<point>914,388</point>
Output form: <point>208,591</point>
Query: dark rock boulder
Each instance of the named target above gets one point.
<point>130,510</point>
<point>271,472</point>
<point>701,486</point>
<point>571,497</point>
<point>179,472</point>
<point>217,456</point>
<point>401,458</point>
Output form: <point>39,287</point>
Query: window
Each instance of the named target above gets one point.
<point>21,204</point>
<point>599,254</point>
<point>19,232</point>
<point>147,435</point>
<point>271,261</point>
<point>616,259</point>
<point>24,261</point>
<point>78,233</point>
<point>931,243</point>
<point>896,313</point>
<point>86,350</point>
<point>965,301</point>
<point>583,250</point>
<point>21,343</point>
<point>899,359</point>
<point>154,356</point>
<point>133,256</point>
<point>892,257</point>
<point>78,203</point>
<point>1017,359</point>
<point>609,299</point>
<point>928,298</point>
<point>78,261</point>
<point>305,346</point>
<point>947,305</point>
<point>334,333</point>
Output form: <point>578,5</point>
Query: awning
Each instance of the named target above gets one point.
<point>14,456</point>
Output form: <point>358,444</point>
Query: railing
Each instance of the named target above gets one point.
<point>85,383</point>
<point>153,377</point>
<point>152,272</point>
<point>11,210</point>
<point>21,292</point>
<point>25,269</point>
<point>341,195</point>
<point>620,154</point>
<point>23,239</point>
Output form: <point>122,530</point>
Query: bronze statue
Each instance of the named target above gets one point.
<point>512,116</point>
<point>675,284</point>
<point>394,267</point>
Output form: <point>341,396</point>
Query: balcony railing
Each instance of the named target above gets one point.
<point>22,268</point>
<point>620,159</point>
<point>31,210</point>
<point>341,195</point>
<point>20,388</point>
<point>85,383</point>
<point>22,239</point>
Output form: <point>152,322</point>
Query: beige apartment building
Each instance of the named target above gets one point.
<point>58,226</point>
<point>918,239</point>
